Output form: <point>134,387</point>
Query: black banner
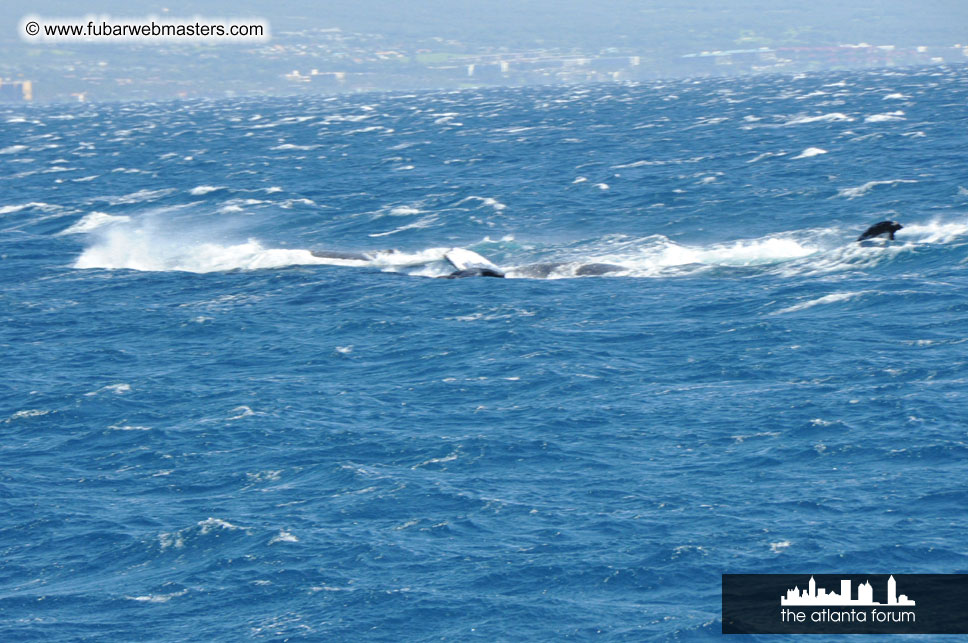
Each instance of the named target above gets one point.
<point>845,604</point>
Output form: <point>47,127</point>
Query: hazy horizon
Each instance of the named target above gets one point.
<point>424,38</point>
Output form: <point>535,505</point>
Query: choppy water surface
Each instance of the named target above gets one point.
<point>208,433</point>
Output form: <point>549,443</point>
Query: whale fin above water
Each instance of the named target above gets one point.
<point>470,264</point>
<point>464,259</point>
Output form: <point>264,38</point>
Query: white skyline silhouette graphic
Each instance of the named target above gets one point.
<point>814,595</point>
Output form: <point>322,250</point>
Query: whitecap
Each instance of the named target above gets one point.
<point>657,255</point>
<point>823,118</point>
<point>447,458</point>
<point>375,128</point>
<point>293,146</point>
<point>126,246</point>
<point>211,524</point>
<point>204,189</point>
<point>766,155</point>
<point>809,152</point>
<point>157,598</point>
<point>243,411</point>
<point>117,389</point>
<point>290,203</point>
<point>283,537</point>
<point>889,116</point>
<point>933,232</point>
<point>27,413</point>
<point>636,164</point>
<point>128,427</point>
<point>423,222</point>
<point>853,193</point>
<point>486,200</point>
<point>138,197</point>
<point>265,476</point>
<point>826,299</point>
<point>753,252</point>
<point>93,221</point>
<point>10,209</point>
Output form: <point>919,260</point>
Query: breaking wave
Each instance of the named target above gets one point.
<point>121,244</point>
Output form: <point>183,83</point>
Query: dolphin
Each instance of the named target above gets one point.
<point>883,229</point>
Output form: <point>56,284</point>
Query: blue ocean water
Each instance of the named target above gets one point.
<point>208,433</point>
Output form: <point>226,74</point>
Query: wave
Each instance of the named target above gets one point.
<point>485,200</point>
<point>853,256</point>
<point>204,189</point>
<point>853,193</point>
<point>10,209</point>
<point>809,152</point>
<point>293,146</point>
<point>933,232</point>
<point>93,221</point>
<point>659,256</point>
<point>119,244</point>
<point>145,245</point>
<point>826,299</point>
<point>889,116</point>
<point>801,253</point>
<point>834,117</point>
<point>766,155</point>
<point>120,247</point>
<point>423,222</point>
<point>136,197</point>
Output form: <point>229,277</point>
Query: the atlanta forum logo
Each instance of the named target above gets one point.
<point>830,607</point>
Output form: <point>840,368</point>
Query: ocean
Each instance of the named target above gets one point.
<point>209,433</point>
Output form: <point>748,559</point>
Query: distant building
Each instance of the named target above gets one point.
<point>328,81</point>
<point>16,91</point>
